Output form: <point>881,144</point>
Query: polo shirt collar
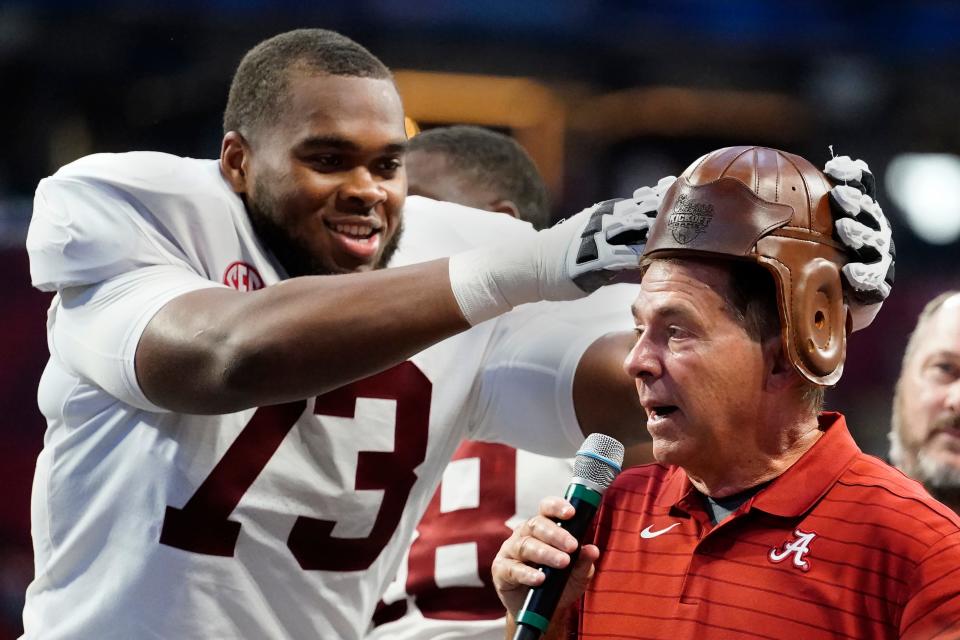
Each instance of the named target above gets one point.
<point>799,487</point>
<point>677,486</point>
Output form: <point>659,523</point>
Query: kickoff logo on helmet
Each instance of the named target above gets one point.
<point>688,219</point>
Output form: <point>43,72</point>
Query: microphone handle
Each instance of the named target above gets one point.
<point>542,601</point>
<point>525,632</point>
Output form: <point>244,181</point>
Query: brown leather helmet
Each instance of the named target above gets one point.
<point>770,207</point>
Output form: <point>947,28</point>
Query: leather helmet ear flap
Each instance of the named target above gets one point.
<point>820,323</point>
<point>814,322</point>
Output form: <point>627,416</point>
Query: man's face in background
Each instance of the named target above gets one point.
<point>926,412</point>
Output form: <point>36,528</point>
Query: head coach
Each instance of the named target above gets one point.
<point>761,517</point>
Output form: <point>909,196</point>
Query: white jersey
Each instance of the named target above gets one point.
<point>444,589</point>
<point>285,521</point>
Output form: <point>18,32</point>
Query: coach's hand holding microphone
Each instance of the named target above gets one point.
<point>564,566</point>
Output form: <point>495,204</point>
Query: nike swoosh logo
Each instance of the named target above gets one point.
<point>650,533</point>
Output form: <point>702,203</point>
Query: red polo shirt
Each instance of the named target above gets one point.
<point>840,546</point>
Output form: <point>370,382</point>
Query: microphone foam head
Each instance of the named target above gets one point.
<point>598,460</point>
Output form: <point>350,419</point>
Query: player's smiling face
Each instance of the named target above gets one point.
<point>325,184</point>
<point>698,373</point>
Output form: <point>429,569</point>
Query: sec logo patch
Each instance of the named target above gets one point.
<point>242,277</point>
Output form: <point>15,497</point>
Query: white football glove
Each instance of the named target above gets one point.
<point>574,257</point>
<point>613,239</point>
<point>863,229</point>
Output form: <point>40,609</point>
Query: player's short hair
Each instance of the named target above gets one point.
<point>259,85</point>
<point>494,160</point>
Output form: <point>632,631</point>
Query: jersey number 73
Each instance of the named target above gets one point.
<point>203,524</point>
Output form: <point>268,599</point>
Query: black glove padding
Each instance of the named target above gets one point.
<point>614,237</point>
<point>860,225</point>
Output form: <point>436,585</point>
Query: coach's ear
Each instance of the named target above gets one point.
<point>778,368</point>
<point>234,156</point>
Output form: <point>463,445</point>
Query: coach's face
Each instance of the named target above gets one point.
<point>324,184</point>
<point>698,374</point>
<point>928,401</point>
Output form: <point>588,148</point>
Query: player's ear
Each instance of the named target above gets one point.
<point>234,158</point>
<point>505,206</point>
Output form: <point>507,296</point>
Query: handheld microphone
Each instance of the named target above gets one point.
<point>596,465</point>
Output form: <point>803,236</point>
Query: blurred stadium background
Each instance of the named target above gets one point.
<point>606,96</point>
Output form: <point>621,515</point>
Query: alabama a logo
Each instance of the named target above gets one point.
<point>242,277</point>
<point>796,549</point>
<point>688,219</point>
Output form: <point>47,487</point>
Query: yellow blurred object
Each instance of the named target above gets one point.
<point>539,118</point>
<point>531,112</point>
<point>679,111</point>
<point>411,126</point>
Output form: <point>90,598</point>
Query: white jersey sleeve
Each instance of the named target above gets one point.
<point>99,217</point>
<point>528,374</point>
<point>435,229</point>
<point>96,328</point>
<point>118,236</point>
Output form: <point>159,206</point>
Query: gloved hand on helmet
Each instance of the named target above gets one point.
<point>600,245</point>
<point>614,237</point>
<point>863,229</point>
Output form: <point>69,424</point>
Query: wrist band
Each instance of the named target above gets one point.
<point>475,288</point>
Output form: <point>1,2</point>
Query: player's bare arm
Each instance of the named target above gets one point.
<point>207,351</point>
<point>605,398</point>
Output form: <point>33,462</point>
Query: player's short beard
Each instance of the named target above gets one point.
<point>292,253</point>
